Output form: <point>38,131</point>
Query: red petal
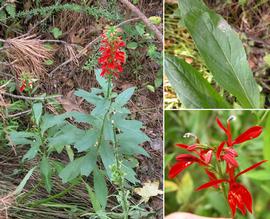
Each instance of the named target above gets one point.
<point>232,203</point>
<point>189,157</point>
<point>250,168</point>
<point>182,146</point>
<point>231,151</point>
<point>220,125</point>
<point>219,150</point>
<point>251,133</point>
<point>211,183</point>
<point>211,176</point>
<point>178,168</point>
<point>22,88</point>
<point>208,156</point>
<point>240,196</point>
<point>246,197</point>
<point>230,159</point>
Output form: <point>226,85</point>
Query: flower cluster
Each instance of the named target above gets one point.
<point>26,85</point>
<point>112,57</point>
<point>238,196</point>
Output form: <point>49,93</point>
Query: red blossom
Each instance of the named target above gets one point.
<point>26,84</point>
<point>185,160</point>
<point>112,57</point>
<point>238,195</point>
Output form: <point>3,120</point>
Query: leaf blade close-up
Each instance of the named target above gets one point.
<point>193,90</point>
<point>222,51</point>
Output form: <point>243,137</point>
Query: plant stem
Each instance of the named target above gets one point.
<point>58,195</point>
<point>122,190</point>
<point>222,185</point>
<point>109,86</point>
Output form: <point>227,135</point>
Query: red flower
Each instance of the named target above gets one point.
<point>23,86</point>
<point>251,133</point>
<point>26,84</point>
<point>112,57</point>
<point>185,160</point>
<point>228,153</point>
<point>238,195</point>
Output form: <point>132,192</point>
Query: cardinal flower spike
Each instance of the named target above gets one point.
<point>210,159</point>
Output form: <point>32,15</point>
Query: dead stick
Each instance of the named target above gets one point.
<point>144,18</point>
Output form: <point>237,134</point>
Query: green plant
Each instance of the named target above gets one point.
<point>43,11</point>
<point>224,56</point>
<point>108,138</point>
<point>139,39</point>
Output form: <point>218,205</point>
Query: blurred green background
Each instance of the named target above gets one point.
<point>180,194</point>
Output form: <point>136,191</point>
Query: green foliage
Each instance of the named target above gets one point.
<point>11,10</point>
<point>57,33</point>
<point>92,60</point>
<point>138,38</point>
<point>222,51</point>
<point>193,90</point>
<point>108,138</point>
<point>43,11</point>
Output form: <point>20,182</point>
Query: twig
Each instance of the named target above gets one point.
<point>18,114</point>
<point>2,7</point>
<point>144,18</point>
<point>59,41</point>
<point>85,49</point>
<point>29,98</point>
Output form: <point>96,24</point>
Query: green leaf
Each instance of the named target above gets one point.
<point>192,89</point>
<point>33,151</point>
<point>46,172</point>
<point>107,156</point>
<point>132,45</point>
<point>222,51</point>
<point>48,62</point>
<point>101,109</point>
<point>130,126</point>
<point>129,143</point>
<point>93,198</point>
<point>125,96</point>
<point>22,184</point>
<point>140,27</point>
<point>108,130</point>
<point>22,138</point>
<point>89,97</point>
<point>48,121</point>
<point>186,6</point>
<point>170,186</point>
<point>262,175</point>
<point>80,166</point>
<point>88,140</point>
<point>37,111</point>
<point>156,20</point>
<point>70,152</point>
<point>68,135</point>
<point>56,32</point>
<point>11,10</point>
<point>102,81</point>
<point>100,188</point>
<point>266,58</point>
<point>185,189</point>
<point>266,141</point>
<point>151,88</point>
<point>130,174</point>
<point>27,138</point>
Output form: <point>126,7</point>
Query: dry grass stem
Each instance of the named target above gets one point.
<point>28,55</point>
